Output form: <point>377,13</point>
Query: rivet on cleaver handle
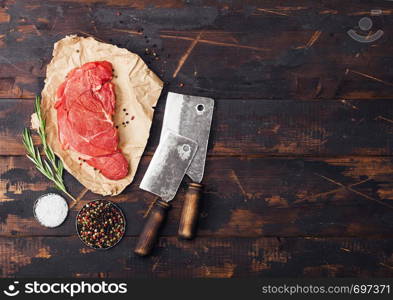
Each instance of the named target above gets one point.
<point>162,178</point>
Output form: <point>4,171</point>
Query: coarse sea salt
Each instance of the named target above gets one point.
<point>50,210</point>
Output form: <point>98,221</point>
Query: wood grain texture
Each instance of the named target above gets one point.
<point>242,197</point>
<point>190,211</point>
<point>260,50</point>
<point>299,172</point>
<point>151,230</point>
<point>255,127</point>
<point>203,257</point>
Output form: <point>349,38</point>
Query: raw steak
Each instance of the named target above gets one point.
<point>85,107</point>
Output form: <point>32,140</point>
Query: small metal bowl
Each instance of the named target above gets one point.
<point>98,248</point>
<point>35,205</point>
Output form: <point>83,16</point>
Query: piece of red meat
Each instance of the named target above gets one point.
<point>114,166</point>
<point>85,107</point>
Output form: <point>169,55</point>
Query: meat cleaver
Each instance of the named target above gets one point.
<point>162,178</point>
<point>191,117</point>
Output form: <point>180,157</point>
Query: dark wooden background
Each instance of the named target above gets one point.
<point>299,177</point>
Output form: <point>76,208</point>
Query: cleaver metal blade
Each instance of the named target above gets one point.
<point>170,162</point>
<point>190,116</point>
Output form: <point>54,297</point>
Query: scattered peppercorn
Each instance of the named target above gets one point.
<point>100,224</point>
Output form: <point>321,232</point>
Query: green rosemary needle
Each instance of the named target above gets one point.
<point>53,170</point>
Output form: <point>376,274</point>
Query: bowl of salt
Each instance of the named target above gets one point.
<point>50,210</point>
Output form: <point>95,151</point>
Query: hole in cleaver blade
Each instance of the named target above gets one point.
<point>190,116</point>
<point>169,165</point>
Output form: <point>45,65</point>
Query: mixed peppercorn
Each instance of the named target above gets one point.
<point>125,123</point>
<point>100,224</point>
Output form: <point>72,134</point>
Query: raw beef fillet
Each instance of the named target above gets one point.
<point>85,107</point>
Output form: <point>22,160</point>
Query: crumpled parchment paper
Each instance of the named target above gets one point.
<point>137,89</point>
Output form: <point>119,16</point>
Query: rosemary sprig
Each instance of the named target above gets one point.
<point>52,170</point>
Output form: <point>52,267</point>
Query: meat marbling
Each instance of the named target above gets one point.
<point>85,108</point>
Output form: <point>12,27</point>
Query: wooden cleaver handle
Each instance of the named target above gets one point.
<point>149,235</point>
<point>189,215</point>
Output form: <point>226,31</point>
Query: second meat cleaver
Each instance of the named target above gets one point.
<point>191,117</point>
<point>162,178</point>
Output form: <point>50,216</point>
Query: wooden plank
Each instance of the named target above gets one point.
<point>204,257</point>
<point>244,197</point>
<point>254,127</point>
<point>244,50</point>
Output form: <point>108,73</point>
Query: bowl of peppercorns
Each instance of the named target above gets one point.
<point>100,224</point>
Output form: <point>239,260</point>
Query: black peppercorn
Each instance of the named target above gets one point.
<point>100,224</point>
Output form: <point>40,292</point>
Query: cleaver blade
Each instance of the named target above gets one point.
<point>190,116</point>
<point>170,162</point>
